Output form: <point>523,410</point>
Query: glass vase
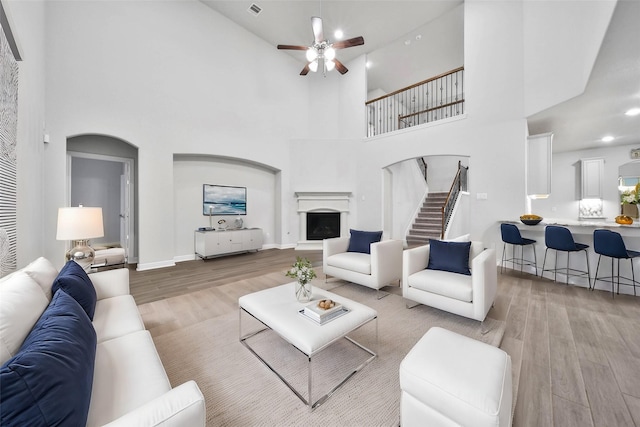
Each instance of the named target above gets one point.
<point>303,291</point>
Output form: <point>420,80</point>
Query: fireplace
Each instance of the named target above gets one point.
<point>323,225</point>
<point>323,214</point>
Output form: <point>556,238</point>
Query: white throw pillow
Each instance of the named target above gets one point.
<point>22,302</point>
<point>44,273</point>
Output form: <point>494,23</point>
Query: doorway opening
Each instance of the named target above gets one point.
<point>106,181</point>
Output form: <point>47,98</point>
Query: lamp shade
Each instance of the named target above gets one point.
<point>79,223</point>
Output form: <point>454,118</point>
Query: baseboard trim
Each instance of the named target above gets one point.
<point>189,257</point>
<point>155,265</point>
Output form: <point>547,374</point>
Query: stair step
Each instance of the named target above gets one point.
<point>427,224</point>
<point>424,233</point>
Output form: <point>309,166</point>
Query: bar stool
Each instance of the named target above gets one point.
<point>560,239</point>
<point>610,244</point>
<point>511,235</point>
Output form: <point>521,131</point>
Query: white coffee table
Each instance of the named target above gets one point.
<point>278,310</point>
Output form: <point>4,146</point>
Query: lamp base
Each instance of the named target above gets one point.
<point>82,253</point>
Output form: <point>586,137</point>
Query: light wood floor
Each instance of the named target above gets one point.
<point>575,353</point>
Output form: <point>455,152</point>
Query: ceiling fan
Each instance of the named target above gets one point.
<point>321,51</point>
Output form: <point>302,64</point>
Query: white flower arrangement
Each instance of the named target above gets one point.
<point>302,271</point>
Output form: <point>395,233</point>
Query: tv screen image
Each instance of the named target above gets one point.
<point>224,200</point>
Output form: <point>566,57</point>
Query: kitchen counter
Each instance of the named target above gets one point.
<point>582,233</point>
<point>581,226</point>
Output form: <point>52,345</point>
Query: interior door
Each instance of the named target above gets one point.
<point>125,210</point>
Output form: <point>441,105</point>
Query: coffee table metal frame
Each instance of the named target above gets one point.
<point>309,402</point>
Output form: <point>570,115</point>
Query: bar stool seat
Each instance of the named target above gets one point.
<point>511,236</point>
<point>560,239</point>
<point>610,244</point>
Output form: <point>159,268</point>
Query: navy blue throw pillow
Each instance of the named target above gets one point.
<point>449,256</point>
<point>74,280</point>
<point>48,382</point>
<point>361,241</point>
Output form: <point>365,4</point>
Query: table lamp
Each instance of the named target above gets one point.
<point>79,225</point>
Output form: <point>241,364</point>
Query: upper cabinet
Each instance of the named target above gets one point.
<point>592,172</point>
<point>539,149</point>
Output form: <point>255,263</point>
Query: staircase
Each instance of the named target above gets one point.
<point>428,222</point>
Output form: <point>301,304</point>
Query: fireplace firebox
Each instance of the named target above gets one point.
<point>323,225</point>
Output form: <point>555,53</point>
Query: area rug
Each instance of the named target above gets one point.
<point>241,391</point>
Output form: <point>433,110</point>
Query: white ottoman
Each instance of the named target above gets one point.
<point>448,379</point>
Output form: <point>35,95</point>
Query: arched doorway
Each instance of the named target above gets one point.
<point>102,171</point>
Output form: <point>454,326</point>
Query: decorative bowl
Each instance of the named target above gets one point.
<point>624,220</point>
<point>530,219</point>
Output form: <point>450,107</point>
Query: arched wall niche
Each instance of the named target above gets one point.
<point>191,171</point>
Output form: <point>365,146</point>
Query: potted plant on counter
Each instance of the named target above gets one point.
<point>629,202</point>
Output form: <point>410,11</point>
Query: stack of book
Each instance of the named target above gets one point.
<point>316,310</point>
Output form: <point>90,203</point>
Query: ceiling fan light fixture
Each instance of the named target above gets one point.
<point>329,53</point>
<point>330,65</point>
<point>313,66</point>
<point>311,54</point>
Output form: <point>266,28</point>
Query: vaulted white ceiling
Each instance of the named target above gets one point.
<point>580,123</point>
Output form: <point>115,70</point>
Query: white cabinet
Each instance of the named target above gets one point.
<point>539,149</point>
<point>216,243</point>
<point>592,172</point>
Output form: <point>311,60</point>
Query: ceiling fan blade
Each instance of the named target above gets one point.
<point>305,70</point>
<point>292,47</point>
<point>316,25</point>
<point>356,41</point>
<point>340,67</point>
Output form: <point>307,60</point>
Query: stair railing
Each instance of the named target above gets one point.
<point>423,167</point>
<point>459,184</point>
<point>436,98</point>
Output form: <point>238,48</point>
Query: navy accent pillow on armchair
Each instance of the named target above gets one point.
<point>48,382</point>
<point>361,241</point>
<point>74,281</point>
<point>449,256</point>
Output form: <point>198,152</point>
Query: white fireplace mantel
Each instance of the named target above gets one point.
<point>321,201</point>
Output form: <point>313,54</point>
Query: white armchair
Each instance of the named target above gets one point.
<point>469,296</point>
<point>375,270</point>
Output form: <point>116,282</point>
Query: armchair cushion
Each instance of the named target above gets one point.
<point>353,261</point>
<point>74,281</point>
<point>449,256</point>
<point>456,286</point>
<point>361,241</point>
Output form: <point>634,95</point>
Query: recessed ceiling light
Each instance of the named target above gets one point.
<point>607,138</point>
<point>338,34</point>
<point>633,112</point>
<point>407,42</point>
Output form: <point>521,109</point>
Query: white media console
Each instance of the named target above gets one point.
<point>211,243</point>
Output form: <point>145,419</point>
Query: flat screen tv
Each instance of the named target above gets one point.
<point>224,200</point>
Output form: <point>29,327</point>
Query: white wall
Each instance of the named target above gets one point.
<point>440,49</point>
<point>561,41</point>
<point>28,23</point>
<point>442,170</point>
<point>167,84</point>
<point>190,172</point>
<point>407,192</point>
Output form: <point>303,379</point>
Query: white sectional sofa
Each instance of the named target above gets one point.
<point>466,295</point>
<point>124,381</point>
